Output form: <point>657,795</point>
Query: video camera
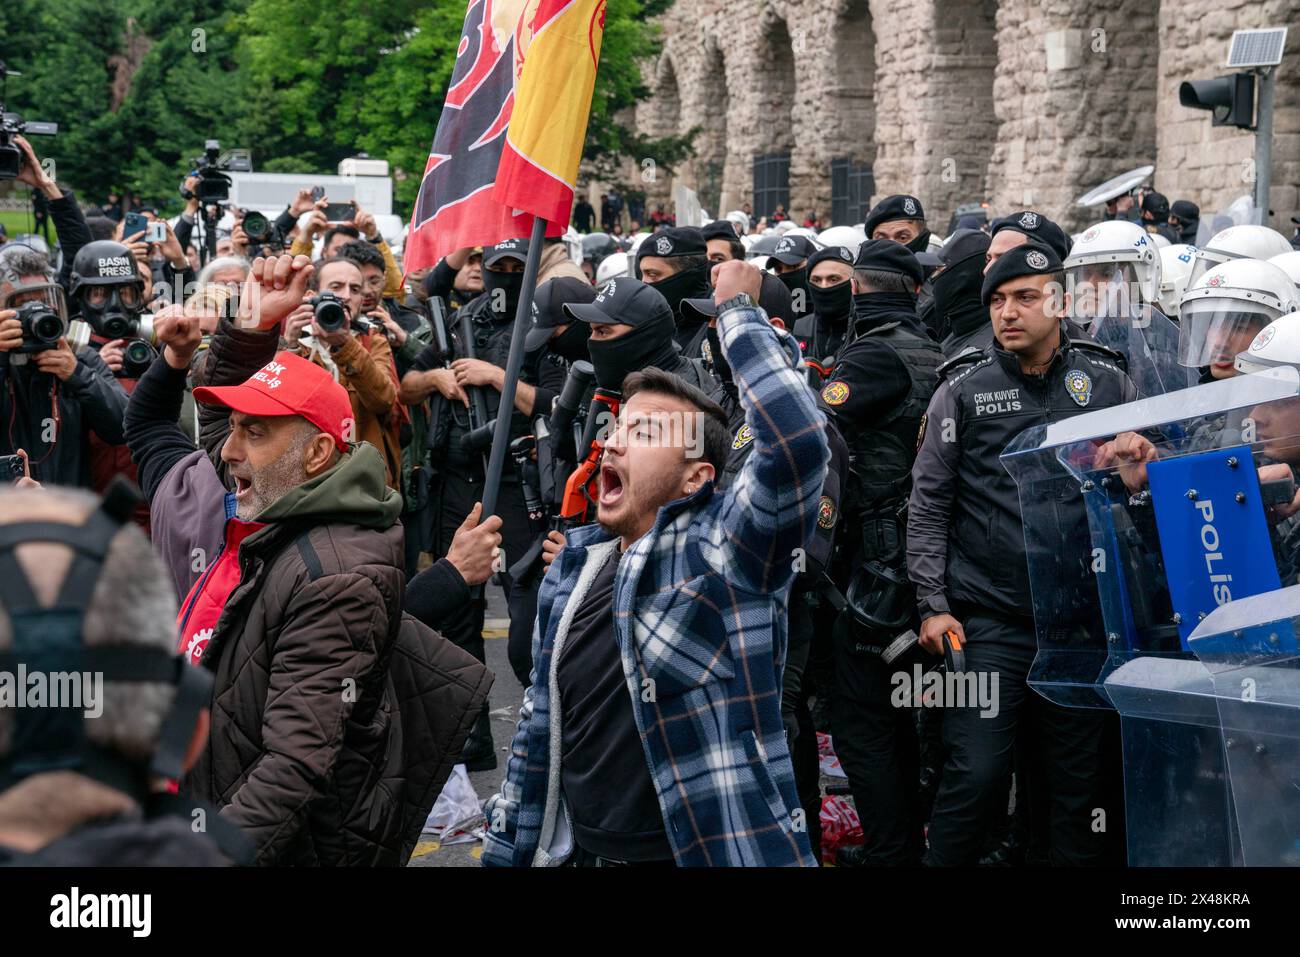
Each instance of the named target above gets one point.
<point>211,169</point>
<point>12,157</point>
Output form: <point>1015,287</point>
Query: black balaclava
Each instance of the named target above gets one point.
<point>921,243</point>
<point>833,303</point>
<point>795,280</point>
<point>647,346</point>
<point>571,344</point>
<point>511,284</point>
<point>957,305</point>
<point>871,309</point>
<point>687,284</point>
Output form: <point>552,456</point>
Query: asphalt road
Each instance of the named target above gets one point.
<point>504,701</point>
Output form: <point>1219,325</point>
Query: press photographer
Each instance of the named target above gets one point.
<point>53,395</point>
<point>341,340</point>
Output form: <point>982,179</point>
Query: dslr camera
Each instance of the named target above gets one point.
<point>329,312</point>
<point>262,231</point>
<point>42,327</point>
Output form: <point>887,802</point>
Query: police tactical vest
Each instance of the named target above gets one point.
<point>882,452</point>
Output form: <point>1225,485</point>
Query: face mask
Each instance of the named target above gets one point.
<point>615,359</point>
<point>833,303</point>
<point>113,319</point>
<point>797,282</point>
<point>688,284</point>
<point>571,344</point>
<point>921,243</point>
<point>502,290</point>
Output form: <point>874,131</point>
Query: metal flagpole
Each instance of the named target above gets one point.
<point>515,362</point>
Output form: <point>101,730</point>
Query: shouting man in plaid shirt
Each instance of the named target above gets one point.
<point>652,732</point>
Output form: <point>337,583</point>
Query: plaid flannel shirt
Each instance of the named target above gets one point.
<point>700,614</point>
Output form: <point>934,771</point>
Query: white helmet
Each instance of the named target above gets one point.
<point>1160,241</point>
<point>612,266</point>
<point>1117,253</point>
<point>804,231</point>
<point>1277,344</point>
<point>573,244</point>
<point>784,226</point>
<point>1289,263</point>
<point>849,237</point>
<point>1223,311</point>
<point>1176,263</point>
<point>934,243</point>
<point>1238,242</point>
<point>739,217</point>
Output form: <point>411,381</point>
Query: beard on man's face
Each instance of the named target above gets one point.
<point>268,484</point>
<point>640,501</point>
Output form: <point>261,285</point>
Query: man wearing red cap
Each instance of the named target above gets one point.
<point>283,538</point>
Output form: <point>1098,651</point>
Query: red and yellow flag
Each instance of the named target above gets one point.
<point>560,45</point>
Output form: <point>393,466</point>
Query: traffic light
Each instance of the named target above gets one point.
<point>1231,98</point>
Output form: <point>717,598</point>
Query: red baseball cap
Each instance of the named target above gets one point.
<point>289,385</point>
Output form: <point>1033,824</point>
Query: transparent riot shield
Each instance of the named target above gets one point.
<point>1127,557</point>
<point>1249,649</point>
<point>1148,341</point>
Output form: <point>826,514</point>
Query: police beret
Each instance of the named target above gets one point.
<point>885,255</point>
<point>673,241</point>
<point>1031,259</point>
<point>719,229</point>
<point>839,254</point>
<point>891,208</point>
<point>1037,227</point>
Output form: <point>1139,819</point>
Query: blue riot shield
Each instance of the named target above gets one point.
<point>1129,557</point>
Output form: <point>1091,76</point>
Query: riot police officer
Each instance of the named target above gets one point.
<point>960,320</point>
<point>457,461</point>
<point>674,261</point>
<point>790,261</point>
<point>821,332</point>
<point>965,555</point>
<point>876,396</point>
<point>721,242</point>
<point>1027,225</point>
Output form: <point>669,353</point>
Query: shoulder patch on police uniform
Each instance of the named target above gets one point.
<point>920,433</point>
<point>963,364</point>
<point>836,393</point>
<point>826,513</point>
<point>743,437</point>
<point>1089,345</point>
<point>1079,386</point>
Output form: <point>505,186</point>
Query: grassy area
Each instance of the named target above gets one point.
<point>15,223</point>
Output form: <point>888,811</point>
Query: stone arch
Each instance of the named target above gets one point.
<point>709,166</point>
<point>958,109</point>
<point>849,113</point>
<point>658,117</point>
<point>775,95</point>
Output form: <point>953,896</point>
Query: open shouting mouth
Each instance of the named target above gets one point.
<point>611,486</point>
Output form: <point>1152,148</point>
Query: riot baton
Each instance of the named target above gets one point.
<point>515,362</point>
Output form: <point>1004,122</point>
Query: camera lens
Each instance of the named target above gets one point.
<point>329,314</point>
<point>137,352</point>
<point>47,327</point>
<point>256,227</point>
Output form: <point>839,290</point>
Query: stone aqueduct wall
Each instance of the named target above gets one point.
<point>1021,102</point>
